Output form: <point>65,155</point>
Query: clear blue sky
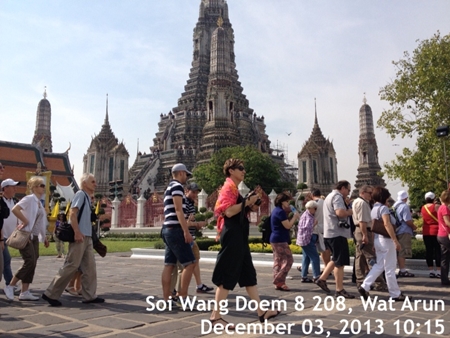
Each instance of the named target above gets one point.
<point>288,52</point>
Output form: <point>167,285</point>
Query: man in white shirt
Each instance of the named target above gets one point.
<point>9,224</point>
<point>336,233</point>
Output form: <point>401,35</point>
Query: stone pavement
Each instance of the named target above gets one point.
<point>126,283</point>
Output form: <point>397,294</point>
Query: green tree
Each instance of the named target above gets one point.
<point>419,99</point>
<point>260,170</point>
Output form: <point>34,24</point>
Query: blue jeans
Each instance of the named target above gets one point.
<point>7,272</point>
<point>310,255</point>
<point>176,248</point>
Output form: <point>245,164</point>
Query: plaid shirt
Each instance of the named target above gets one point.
<point>305,228</point>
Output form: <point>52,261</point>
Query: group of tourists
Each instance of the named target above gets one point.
<point>323,228</point>
<point>29,216</point>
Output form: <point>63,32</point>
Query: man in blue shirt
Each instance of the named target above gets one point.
<point>404,232</point>
<point>81,252</point>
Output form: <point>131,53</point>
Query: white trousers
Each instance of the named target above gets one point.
<point>387,261</point>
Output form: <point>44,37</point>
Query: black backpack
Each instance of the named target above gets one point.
<point>398,222</point>
<point>266,230</point>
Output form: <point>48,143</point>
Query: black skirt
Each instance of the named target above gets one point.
<point>234,262</point>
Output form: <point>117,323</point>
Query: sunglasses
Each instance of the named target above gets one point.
<point>240,168</point>
<point>41,185</point>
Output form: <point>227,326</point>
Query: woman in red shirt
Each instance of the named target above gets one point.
<point>430,231</point>
<point>443,236</point>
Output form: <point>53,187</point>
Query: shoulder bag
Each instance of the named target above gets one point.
<point>65,231</point>
<point>378,225</point>
<point>20,238</point>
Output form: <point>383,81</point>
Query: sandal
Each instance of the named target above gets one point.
<point>72,291</point>
<point>262,319</point>
<point>405,274</point>
<point>282,287</point>
<point>222,322</point>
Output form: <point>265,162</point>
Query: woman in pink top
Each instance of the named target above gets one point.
<point>443,235</point>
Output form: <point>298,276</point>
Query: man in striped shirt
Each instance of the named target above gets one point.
<point>175,233</point>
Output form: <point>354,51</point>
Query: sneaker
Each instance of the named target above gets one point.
<point>432,275</point>
<point>344,294</point>
<point>204,289</point>
<point>97,300</point>
<point>401,298</point>
<point>17,290</point>
<point>306,280</point>
<point>9,292</point>
<point>405,274</point>
<point>323,285</point>
<point>52,302</point>
<point>363,292</point>
<point>27,295</point>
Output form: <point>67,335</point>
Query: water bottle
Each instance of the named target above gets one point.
<point>293,208</point>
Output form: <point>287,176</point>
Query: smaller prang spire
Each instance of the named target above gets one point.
<point>42,132</point>
<point>369,167</point>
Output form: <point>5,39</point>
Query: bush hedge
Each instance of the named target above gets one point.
<point>152,236</point>
<point>210,244</point>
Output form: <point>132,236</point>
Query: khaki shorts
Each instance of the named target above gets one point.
<point>196,251</point>
<point>405,242</point>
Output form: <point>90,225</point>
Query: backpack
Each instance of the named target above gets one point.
<point>398,223</point>
<point>266,231</point>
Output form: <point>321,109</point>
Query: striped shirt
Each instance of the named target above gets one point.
<point>174,188</point>
<point>190,210</point>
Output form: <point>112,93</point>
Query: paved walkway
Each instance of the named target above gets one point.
<point>126,283</point>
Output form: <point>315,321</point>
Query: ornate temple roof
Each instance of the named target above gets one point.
<point>316,142</point>
<point>18,158</point>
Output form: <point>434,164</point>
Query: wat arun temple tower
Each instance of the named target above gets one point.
<point>368,168</point>
<point>212,112</point>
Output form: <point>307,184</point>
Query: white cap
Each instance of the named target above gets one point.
<point>401,195</point>
<point>430,195</point>
<point>180,167</point>
<point>8,182</point>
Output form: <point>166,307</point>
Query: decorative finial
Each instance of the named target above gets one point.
<point>45,92</point>
<point>315,111</point>
<point>106,117</point>
<point>364,99</point>
<point>70,146</point>
<point>220,21</point>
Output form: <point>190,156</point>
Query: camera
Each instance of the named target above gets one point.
<point>343,224</point>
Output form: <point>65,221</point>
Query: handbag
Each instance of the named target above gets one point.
<point>18,239</point>
<point>98,246</point>
<point>101,248</point>
<point>378,226</point>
